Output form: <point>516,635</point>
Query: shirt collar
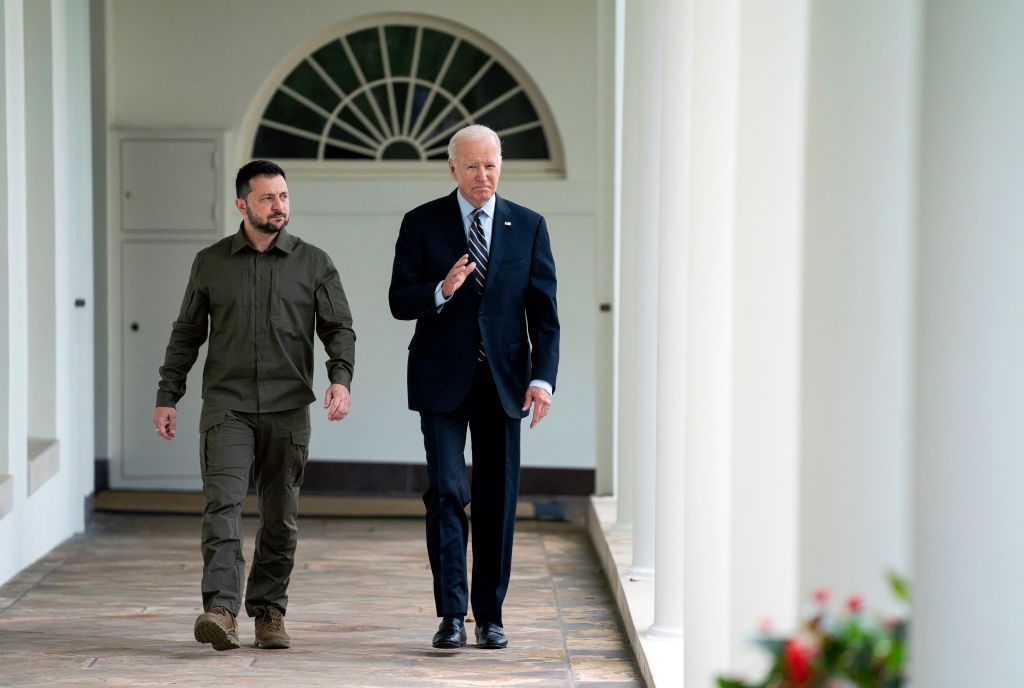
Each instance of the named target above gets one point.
<point>468,208</point>
<point>283,241</point>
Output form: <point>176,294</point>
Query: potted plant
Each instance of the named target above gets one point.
<point>851,649</point>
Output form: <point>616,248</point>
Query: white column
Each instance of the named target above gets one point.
<point>640,220</point>
<point>702,44</point>
<point>769,202</point>
<point>674,274</point>
<point>625,454</point>
<point>625,345</point>
<point>858,319</point>
<point>969,472</point>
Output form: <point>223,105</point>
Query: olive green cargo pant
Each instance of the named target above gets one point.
<point>276,446</point>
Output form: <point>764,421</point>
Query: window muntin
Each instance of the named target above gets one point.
<point>394,90</point>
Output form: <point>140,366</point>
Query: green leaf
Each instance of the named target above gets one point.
<point>731,683</point>
<point>900,587</point>
<point>897,656</point>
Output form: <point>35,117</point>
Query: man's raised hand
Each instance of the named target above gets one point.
<point>456,276</point>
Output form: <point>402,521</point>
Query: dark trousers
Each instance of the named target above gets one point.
<point>493,494</point>
<point>275,446</point>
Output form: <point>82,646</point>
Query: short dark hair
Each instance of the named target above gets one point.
<point>256,168</point>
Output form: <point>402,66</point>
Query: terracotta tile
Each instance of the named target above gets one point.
<point>116,607</point>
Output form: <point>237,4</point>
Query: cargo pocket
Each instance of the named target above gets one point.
<point>299,454</point>
<point>209,419</point>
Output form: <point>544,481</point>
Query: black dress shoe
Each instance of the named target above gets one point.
<point>490,636</point>
<point>450,633</point>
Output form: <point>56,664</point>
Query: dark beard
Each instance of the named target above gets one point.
<point>263,226</point>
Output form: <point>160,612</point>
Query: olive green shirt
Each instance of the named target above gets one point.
<point>260,311</point>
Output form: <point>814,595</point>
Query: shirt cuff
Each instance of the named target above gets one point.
<point>164,398</point>
<point>340,377</point>
<point>543,385</point>
<point>439,299</point>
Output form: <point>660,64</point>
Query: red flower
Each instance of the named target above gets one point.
<point>855,604</point>
<point>796,662</point>
<point>766,627</point>
<point>821,595</point>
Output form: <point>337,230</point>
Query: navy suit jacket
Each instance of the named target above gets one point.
<point>516,317</point>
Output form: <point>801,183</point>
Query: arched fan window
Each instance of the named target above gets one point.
<point>392,89</point>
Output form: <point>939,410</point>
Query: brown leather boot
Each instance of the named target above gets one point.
<point>217,627</point>
<point>270,633</point>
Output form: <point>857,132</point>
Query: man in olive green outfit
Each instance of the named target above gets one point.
<point>259,294</point>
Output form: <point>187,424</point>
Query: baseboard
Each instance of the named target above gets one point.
<point>101,475</point>
<point>404,480</point>
<point>325,506</point>
<point>89,500</point>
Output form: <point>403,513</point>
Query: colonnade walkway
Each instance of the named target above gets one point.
<point>115,606</point>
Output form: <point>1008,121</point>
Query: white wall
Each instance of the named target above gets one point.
<point>41,201</point>
<point>55,510</point>
<point>98,58</point>
<point>361,242</point>
<point>76,329</point>
<point>12,526</point>
<point>5,281</point>
<point>968,473</point>
<point>858,297</point>
<point>227,56</point>
<point>608,62</point>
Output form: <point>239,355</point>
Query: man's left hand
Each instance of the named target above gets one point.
<point>541,402</point>
<point>337,402</point>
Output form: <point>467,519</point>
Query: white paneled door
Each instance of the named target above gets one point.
<point>168,206</point>
<point>154,275</point>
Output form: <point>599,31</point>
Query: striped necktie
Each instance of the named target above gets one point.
<point>478,252</point>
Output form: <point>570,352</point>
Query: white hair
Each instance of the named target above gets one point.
<point>474,132</point>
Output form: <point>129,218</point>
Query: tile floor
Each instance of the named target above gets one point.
<point>115,607</point>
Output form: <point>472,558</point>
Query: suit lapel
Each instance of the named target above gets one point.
<point>500,235</point>
<point>453,226</point>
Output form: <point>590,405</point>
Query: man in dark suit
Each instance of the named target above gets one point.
<point>476,273</point>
